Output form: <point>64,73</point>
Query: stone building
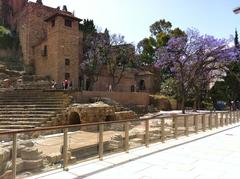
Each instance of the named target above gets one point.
<point>58,56</point>
<point>46,51</point>
<point>9,10</point>
<point>52,43</point>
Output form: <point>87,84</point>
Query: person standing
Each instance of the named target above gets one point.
<point>110,87</point>
<point>65,84</point>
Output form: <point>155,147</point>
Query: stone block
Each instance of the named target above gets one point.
<point>27,143</point>
<point>54,158</point>
<point>32,164</point>
<point>7,175</point>
<point>4,155</point>
<point>30,154</point>
<point>4,158</point>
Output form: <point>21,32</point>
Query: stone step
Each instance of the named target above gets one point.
<point>30,102</point>
<point>42,109</point>
<point>30,105</point>
<point>21,109</point>
<point>34,123</point>
<point>25,115</point>
<point>3,112</point>
<point>26,119</point>
<point>33,92</point>
<point>31,96</point>
<point>16,126</point>
<point>31,99</point>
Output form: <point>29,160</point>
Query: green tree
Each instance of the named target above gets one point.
<point>169,87</point>
<point>88,26</point>
<point>236,42</point>
<point>161,31</point>
<point>8,39</point>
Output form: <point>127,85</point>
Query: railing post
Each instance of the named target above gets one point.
<point>65,149</point>
<point>162,130</point>
<point>195,120</point>
<point>231,118</point>
<point>237,116</point>
<point>14,156</point>
<point>175,127</point>
<point>226,119</point>
<point>232,121</point>
<point>216,120</point>
<point>126,136</point>
<point>186,125</point>
<point>147,133</point>
<point>210,121</point>
<point>204,122</point>
<point>236,112</point>
<point>100,152</point>
<point>221,120</point>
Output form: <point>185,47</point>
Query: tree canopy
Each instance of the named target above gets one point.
<point>161,31</point>
<point>88,26</point>
<point>194,60</point>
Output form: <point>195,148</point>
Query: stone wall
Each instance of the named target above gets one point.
<point>7,53</point>
<point>125,98</point>
<point>28,158</point>
<point>124,85</point>
<point>88,113</point>
<point>32,28</point>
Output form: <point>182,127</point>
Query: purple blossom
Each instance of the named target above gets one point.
<point>194,58</point>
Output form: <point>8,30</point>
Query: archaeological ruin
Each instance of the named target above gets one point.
<point>33,95</point>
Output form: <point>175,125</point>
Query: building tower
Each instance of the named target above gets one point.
<point>63,48</point>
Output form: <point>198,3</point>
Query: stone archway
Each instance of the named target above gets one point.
<point>74,118</point>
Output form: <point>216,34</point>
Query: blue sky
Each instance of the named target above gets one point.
<point>132,18</point>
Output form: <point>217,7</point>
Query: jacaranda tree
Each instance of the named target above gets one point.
<point>194,60</point>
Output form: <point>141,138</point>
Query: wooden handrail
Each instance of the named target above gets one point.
<point>173,117</point>
<point>10,132</point>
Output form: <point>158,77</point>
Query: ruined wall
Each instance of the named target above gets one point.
<point>32,29</point>
<point>9,9</point>
<point>5,11</point>
<point>124,85</point>
<point>124,98</point>
<point>41,61</point>
<point>129,82</point>
<point>7,53</point>
<point>148,82</point>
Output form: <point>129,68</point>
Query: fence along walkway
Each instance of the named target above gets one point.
<point>168,126</point>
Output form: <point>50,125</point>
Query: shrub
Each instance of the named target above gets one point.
<point>162,102</point>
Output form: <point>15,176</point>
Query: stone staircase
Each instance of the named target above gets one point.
<point>21,109</point>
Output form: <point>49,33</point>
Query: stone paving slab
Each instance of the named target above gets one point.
<point>213,154</point>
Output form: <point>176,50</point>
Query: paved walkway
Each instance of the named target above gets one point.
<point>213,154</point>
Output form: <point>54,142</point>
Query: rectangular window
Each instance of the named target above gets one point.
<point>67,76</point>
<point>67,62</point>
<point>53,22</point>
<point>68,23</point>
<point>44,51</point>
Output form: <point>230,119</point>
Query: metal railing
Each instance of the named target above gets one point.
<point>177,124</point>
